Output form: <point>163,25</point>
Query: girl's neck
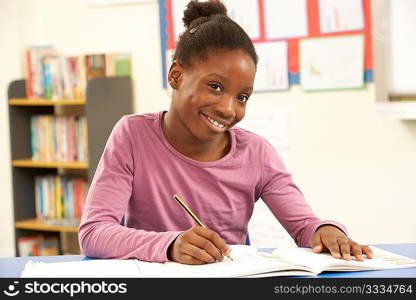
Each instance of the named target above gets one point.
<point>185,143</point>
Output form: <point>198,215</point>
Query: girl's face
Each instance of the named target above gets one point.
<point>210,96</point>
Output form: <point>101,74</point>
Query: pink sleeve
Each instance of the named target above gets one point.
<point>287,202</point>
<point>100,232</point>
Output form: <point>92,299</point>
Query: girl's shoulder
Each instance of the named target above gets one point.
<point>246,137</point>
<point>137,121</point>
<point>139,118</point>
<point>137,125</point>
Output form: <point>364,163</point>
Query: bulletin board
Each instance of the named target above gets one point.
<point>314,30</point>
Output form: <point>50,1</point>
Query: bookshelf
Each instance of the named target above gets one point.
<point>107,100</point>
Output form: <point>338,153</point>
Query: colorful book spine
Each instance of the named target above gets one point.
<point>33,136</point>
<point>29,74</point>
<point>60,197</point>
<point>71,151</point>
<point>52,76</point>
<point>47,78</point>
<point>59,138</point>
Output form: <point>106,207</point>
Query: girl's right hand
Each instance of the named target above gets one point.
<point>197,246</point>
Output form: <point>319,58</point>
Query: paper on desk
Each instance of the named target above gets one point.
<point>86,268</point>
<point>246,261</point>
<point>383,260</point>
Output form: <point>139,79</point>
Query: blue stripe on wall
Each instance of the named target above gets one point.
<point>294,78</point>
<point>368,75</point>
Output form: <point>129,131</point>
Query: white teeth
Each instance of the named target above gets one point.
<point>216,123</point>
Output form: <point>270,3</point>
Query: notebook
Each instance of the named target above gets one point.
<point>247,262</point>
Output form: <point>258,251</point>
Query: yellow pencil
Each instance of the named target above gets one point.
<point>186,208</point>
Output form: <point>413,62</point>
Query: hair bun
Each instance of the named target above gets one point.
<point>195,10</point>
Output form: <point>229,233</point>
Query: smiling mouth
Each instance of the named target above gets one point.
<point>215,124</point>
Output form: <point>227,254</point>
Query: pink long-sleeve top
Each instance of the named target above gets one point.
<point>139,172</point>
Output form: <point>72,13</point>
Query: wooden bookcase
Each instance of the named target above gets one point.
<point>107,100</point>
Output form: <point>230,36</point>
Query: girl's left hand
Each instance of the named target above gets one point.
<point>330,238</point>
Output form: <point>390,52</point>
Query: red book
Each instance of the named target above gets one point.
<point>76,188</point>
<point>71,138</point>
<point>29,83</point>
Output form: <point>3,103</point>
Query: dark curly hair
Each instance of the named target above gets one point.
<point>209,28</point>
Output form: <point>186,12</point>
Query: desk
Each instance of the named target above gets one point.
<point>12,267</point>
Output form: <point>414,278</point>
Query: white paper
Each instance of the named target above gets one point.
<point>332,63</point>
<point>285,18</point>
<point>247,261</point>
<point>398,39</point>
<point>246,14</point>
<point>272,67</point>
<point>86,268</point>
<point>341,15</point>
<point>382,260</point>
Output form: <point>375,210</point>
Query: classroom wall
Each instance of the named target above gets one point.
<point>352,164</point>
<point>9,69</point>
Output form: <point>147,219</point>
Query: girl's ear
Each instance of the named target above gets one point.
<point>175,75</point>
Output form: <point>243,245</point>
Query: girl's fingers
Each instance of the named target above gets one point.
<point>345,248</point>
<point>198,253</point>
<point>190,260</point>
<point>367,251</point>
<point>356,251</point>
<point>333,247</point>
<point>316,243</point>
<point>215,239</point>
<point>207,245</point>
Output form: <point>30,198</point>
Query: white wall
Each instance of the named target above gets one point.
<point>10,69</point>
<point>352,165</point>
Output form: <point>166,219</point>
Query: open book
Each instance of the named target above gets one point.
<point>247,262</point>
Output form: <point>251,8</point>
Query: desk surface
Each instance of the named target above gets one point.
<point>12,267</point>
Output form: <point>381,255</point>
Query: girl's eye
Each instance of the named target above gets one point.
<point>215,86</point>
<point>242,98</point>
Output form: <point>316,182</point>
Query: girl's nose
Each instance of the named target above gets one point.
<point>226,107</point>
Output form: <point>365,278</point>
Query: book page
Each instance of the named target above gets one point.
<point>246,262</point>
<point>320,262</point>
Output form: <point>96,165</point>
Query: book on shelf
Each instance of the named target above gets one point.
<point>59,138</point>
<point>60,199</point>
<point>247,262</point>
<point>38,245</point>
<point>35,69</point>
<point>50,75</point>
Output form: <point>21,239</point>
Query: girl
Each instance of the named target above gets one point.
<point>194,150</point>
